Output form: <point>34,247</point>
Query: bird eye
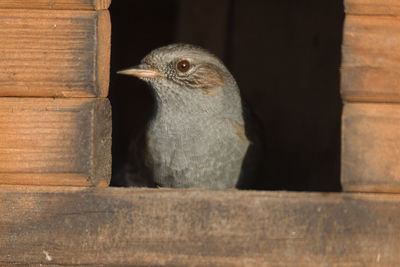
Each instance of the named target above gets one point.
<point>183,66</point>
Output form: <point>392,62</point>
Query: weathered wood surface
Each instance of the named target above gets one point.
<point>122,227</point>
<point>372,7</point>
<point>46,141</point>
<point>371,59</point>
<point>103,53</point>
<point>371,147</point>
<point>61,53</point>
<point>56,4</point>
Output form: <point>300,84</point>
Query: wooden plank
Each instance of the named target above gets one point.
<point>45,141</point>
<point>56,4</point>
<point>372,7</point>
<point>144,227</point>
<point>59,53</point>
<point>103,51</point>
<point>371,59</point>
<point>371,147</point>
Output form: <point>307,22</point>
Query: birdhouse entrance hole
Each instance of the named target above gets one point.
<point>285,57</point>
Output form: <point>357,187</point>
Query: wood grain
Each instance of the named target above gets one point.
<point>103,51</point>
<point>372,7</point>
<point>371,147</point>
<point>56,4</point>
<point>55,141</point>
<point>59,53</point>
<point>144,227</point>
<point>371,59</point>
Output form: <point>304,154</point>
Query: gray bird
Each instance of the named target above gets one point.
<point>201,134</point>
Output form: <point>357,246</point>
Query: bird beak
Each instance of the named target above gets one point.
<point>141,71</point>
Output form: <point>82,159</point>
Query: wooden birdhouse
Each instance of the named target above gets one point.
<point>55,143</point>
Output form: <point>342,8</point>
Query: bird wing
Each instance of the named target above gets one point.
<point>135,172</point>
<point>252,167</point>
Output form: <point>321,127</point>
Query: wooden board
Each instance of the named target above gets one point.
<point>144,227</point>
<point>45,141</point>
<point>371,147</point>
<point>56,4</point>
<point>372,7</point>
<point>59,53</point>
<point>371,59</point>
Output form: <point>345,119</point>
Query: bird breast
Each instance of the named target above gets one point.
<point>197,148</point>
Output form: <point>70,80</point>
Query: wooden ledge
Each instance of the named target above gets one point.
<point>120,226</point>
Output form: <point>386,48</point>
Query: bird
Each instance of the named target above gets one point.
<point>202,134</point>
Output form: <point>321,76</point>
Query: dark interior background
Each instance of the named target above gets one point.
<point>285,56</point>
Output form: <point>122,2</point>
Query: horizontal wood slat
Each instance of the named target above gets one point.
<point>372,7</point>
<point>371,147</point>
<point>371,59</point>
<point>56,4</point>
<point>59,53</point>
<point>55,141</point>
<point>144,227</point>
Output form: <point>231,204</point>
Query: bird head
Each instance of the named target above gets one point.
<point>187,75</point>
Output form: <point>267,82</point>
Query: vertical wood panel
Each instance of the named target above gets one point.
<point>369,82</point>
<point>103,52</point>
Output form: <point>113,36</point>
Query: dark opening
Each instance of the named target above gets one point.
<point>285,56</point>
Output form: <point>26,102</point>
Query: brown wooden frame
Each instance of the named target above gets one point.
<point>71,226</point>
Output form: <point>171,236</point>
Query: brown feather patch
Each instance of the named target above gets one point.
<point>206,76</point>
<point>209,91</point>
